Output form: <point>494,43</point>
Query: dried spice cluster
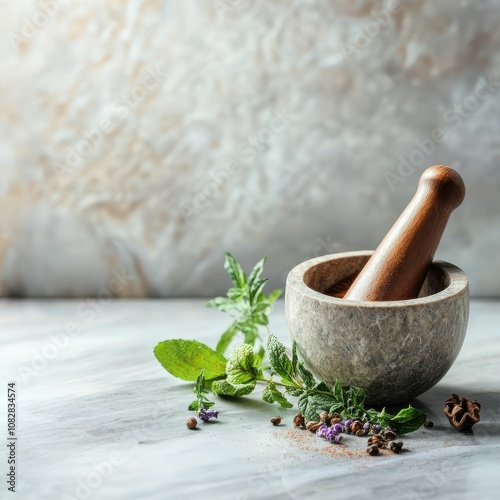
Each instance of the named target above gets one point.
<point>461,412</point>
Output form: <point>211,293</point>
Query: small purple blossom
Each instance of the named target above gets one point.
<point>206,415</point>
<point>366,426</point>
<point>348,422</point>
<point>338,428</point>
<point>337,439</point>
<point>376,428</point>
<point>321,431</point>
<point>327,433</point>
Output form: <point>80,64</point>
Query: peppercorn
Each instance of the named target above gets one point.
<point>374,438</point>
<point>377,440</point>
<point>428,424</point>
<point>313,426</point>
<point>390,435</point>
<point>356,426</point>
<point>324,417</point>
<point>276,420</point>
<point>191,423</point>
<point>395,446</point>
<point>298,420</point>
<point>372,450</point>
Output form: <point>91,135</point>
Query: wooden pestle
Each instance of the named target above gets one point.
<point>397,269</point>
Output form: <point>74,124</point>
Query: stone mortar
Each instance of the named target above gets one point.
<point>393,350</point>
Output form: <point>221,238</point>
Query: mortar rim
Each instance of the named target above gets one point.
<point>459,283</point>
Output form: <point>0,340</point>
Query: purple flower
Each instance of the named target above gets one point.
<point>321,432</point>
<point>348,422</point>
<point>337,428</point>
<point>337,439</point>
<point>366,426</point>
<point>328,433</point>
<point>376,428</point>
<point>206,415</point>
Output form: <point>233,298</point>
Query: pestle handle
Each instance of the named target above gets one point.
<point>398,267</point>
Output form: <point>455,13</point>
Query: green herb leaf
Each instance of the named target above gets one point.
<point>256,290</point>
<point>294,391</point>
<point>322,396</point>
<point>355,396</point>
<point>236,294</point>
<point>185,358</point>
<point>274,295</point>
<point>280,362</point>
<point>260,319</point>
<point>193,406</point>
<point>224,388</point>
<point>226,338</point>
<point>250,331</point>
<point>235,271</point>
<point>256,272</point>
<point>306,376</point>
<point>199,387</point>
<point>407,420</point>
<point>271,394</point>
<point>242,366</point>
<point>262,307</point>
<point>295,359</point>
<point>307,406</point>
<point>222,304</point>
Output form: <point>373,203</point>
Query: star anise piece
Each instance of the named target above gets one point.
<point>461,412</point>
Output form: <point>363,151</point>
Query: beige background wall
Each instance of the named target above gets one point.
<point>149,136</point>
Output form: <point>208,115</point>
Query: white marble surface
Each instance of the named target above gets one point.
<point>100,161</point>
<point>103,396</point>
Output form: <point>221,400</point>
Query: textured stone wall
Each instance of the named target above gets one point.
<point>146,137</point>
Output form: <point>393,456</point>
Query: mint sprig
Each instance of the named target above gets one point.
<point>246,302</point>
<point>201,402</point>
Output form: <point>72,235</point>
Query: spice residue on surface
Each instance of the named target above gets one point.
<point>306,442</point>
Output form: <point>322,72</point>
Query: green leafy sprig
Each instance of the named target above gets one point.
<point>201,402</point>
<point>246,302</point>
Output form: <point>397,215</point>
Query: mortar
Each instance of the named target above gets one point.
<point>394,350</point>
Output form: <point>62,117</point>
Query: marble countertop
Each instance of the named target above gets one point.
<point>99,418</point>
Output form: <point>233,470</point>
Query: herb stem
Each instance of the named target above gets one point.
<point>295,385</point>
<point>281,384</point>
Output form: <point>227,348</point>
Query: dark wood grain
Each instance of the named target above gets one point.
<point>397,269</point>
